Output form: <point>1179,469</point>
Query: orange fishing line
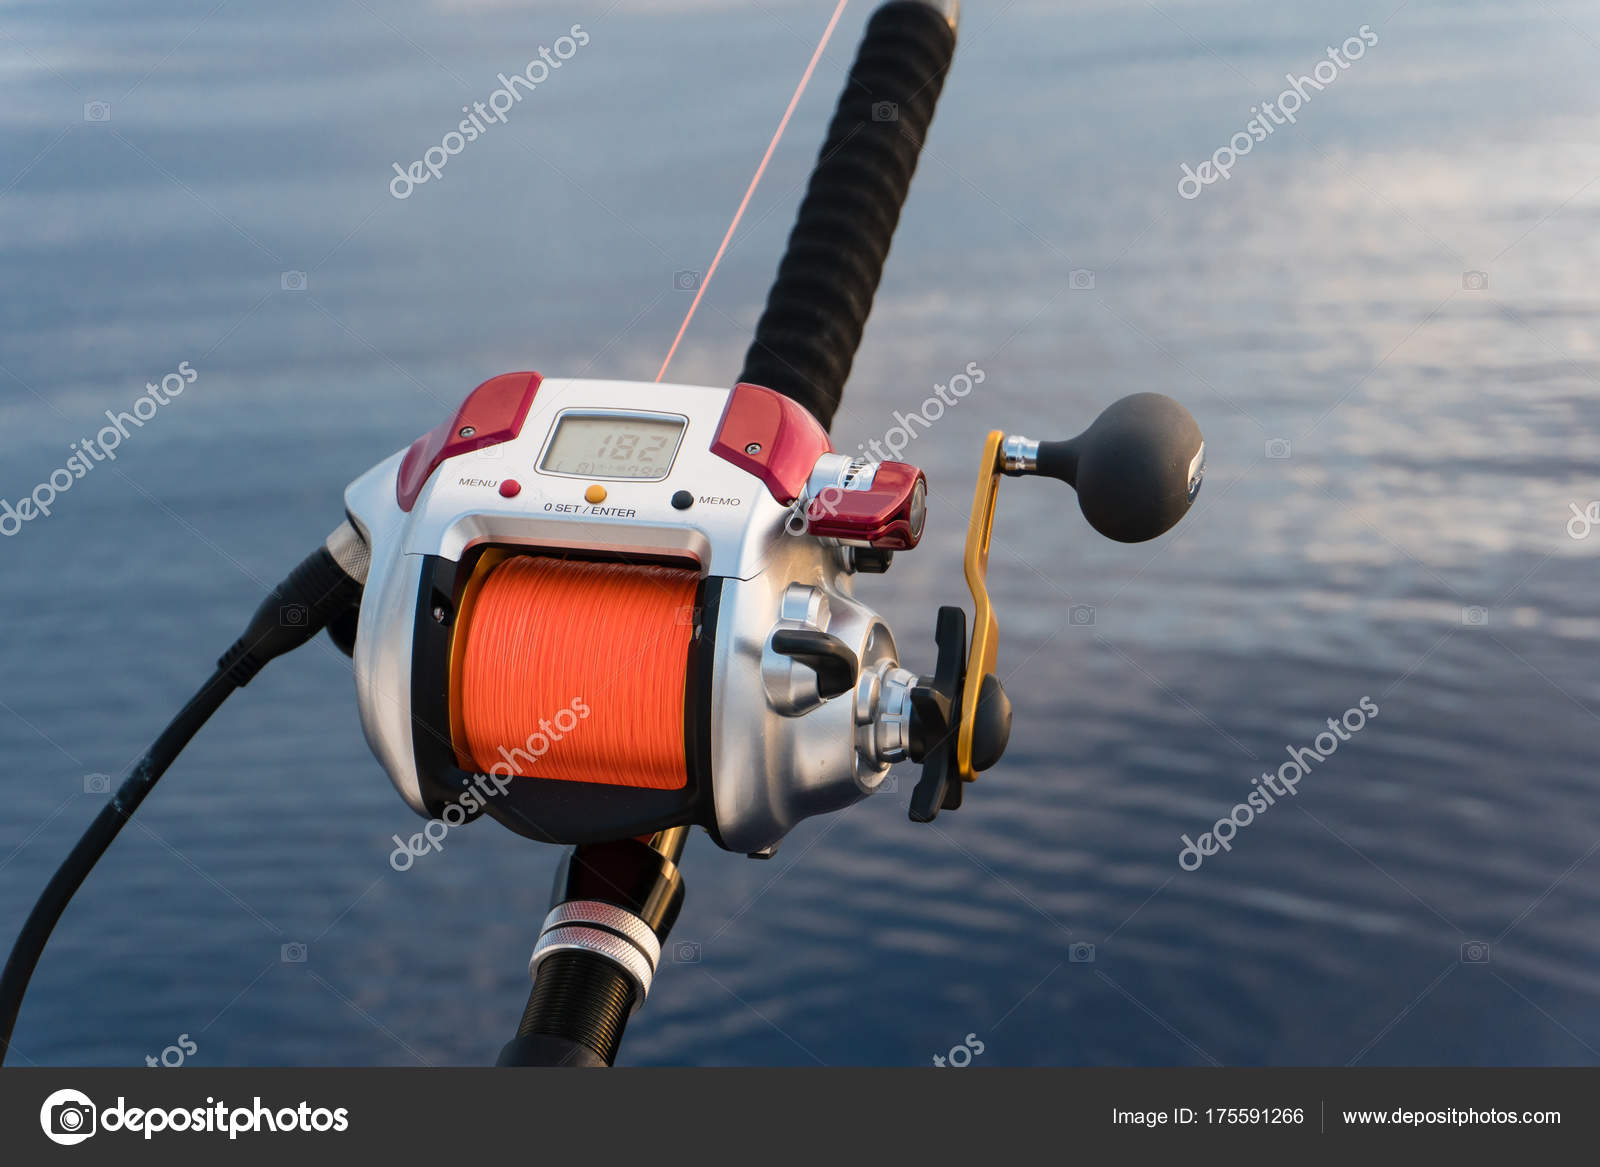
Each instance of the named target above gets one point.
<point>575,670</point>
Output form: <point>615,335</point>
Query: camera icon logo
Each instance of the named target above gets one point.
<point>1475,281</point>
<point>97,111</point>
<point>1081,953</point>
<point>1475,617</point>
<point>1081,615</point>
<point>1475,952</point>
<point>293,615</point>
<point>97,783</point>
<point>293,281</point>
<point>68,1117</point>
<point>293,953</point>
<point>889,785</point>
<point>1080,279</point>
<point>1278,449</point>
<point>885,111</point>
<point>686,281</point>
<point>686,952</point>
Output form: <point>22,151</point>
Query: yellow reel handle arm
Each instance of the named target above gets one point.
<point>985,649</point>
<point>1136,471</point>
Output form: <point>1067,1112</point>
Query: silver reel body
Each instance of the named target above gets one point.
<point>780,747</point>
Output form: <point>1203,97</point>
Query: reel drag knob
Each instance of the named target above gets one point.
<point>1137,469</point>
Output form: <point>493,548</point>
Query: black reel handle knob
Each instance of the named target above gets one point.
<point>936,717</point>
<point>991,728</point>
<point>1137,469</point>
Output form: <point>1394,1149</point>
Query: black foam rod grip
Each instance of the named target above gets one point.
<point>807,337</point>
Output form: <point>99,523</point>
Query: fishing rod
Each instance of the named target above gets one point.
<point>603,612</point>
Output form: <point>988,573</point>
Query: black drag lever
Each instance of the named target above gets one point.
<point>826,655</point>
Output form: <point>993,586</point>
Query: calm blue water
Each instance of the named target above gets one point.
<point>1311,304</point>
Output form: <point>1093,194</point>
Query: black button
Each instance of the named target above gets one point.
<point>683,500</point>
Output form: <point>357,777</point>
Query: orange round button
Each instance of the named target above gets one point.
<point>595,493</point>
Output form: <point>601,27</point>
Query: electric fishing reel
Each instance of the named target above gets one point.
<point>599,609</point>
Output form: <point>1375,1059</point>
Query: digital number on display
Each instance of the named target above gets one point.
<point>613,446</point>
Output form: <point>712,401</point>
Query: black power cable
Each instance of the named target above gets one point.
<point>314,593</point>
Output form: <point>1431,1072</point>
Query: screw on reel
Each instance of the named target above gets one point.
<point>1137,470</point>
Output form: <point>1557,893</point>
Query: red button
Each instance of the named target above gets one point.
<point>510,488</point>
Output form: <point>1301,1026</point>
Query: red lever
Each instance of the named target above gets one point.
<point>491,414</point>
<point>772,437</point>
<point>888,514</point>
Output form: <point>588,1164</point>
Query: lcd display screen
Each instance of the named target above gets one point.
<point>613,445</point>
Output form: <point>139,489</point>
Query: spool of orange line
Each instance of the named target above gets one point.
<point>575,670</point>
